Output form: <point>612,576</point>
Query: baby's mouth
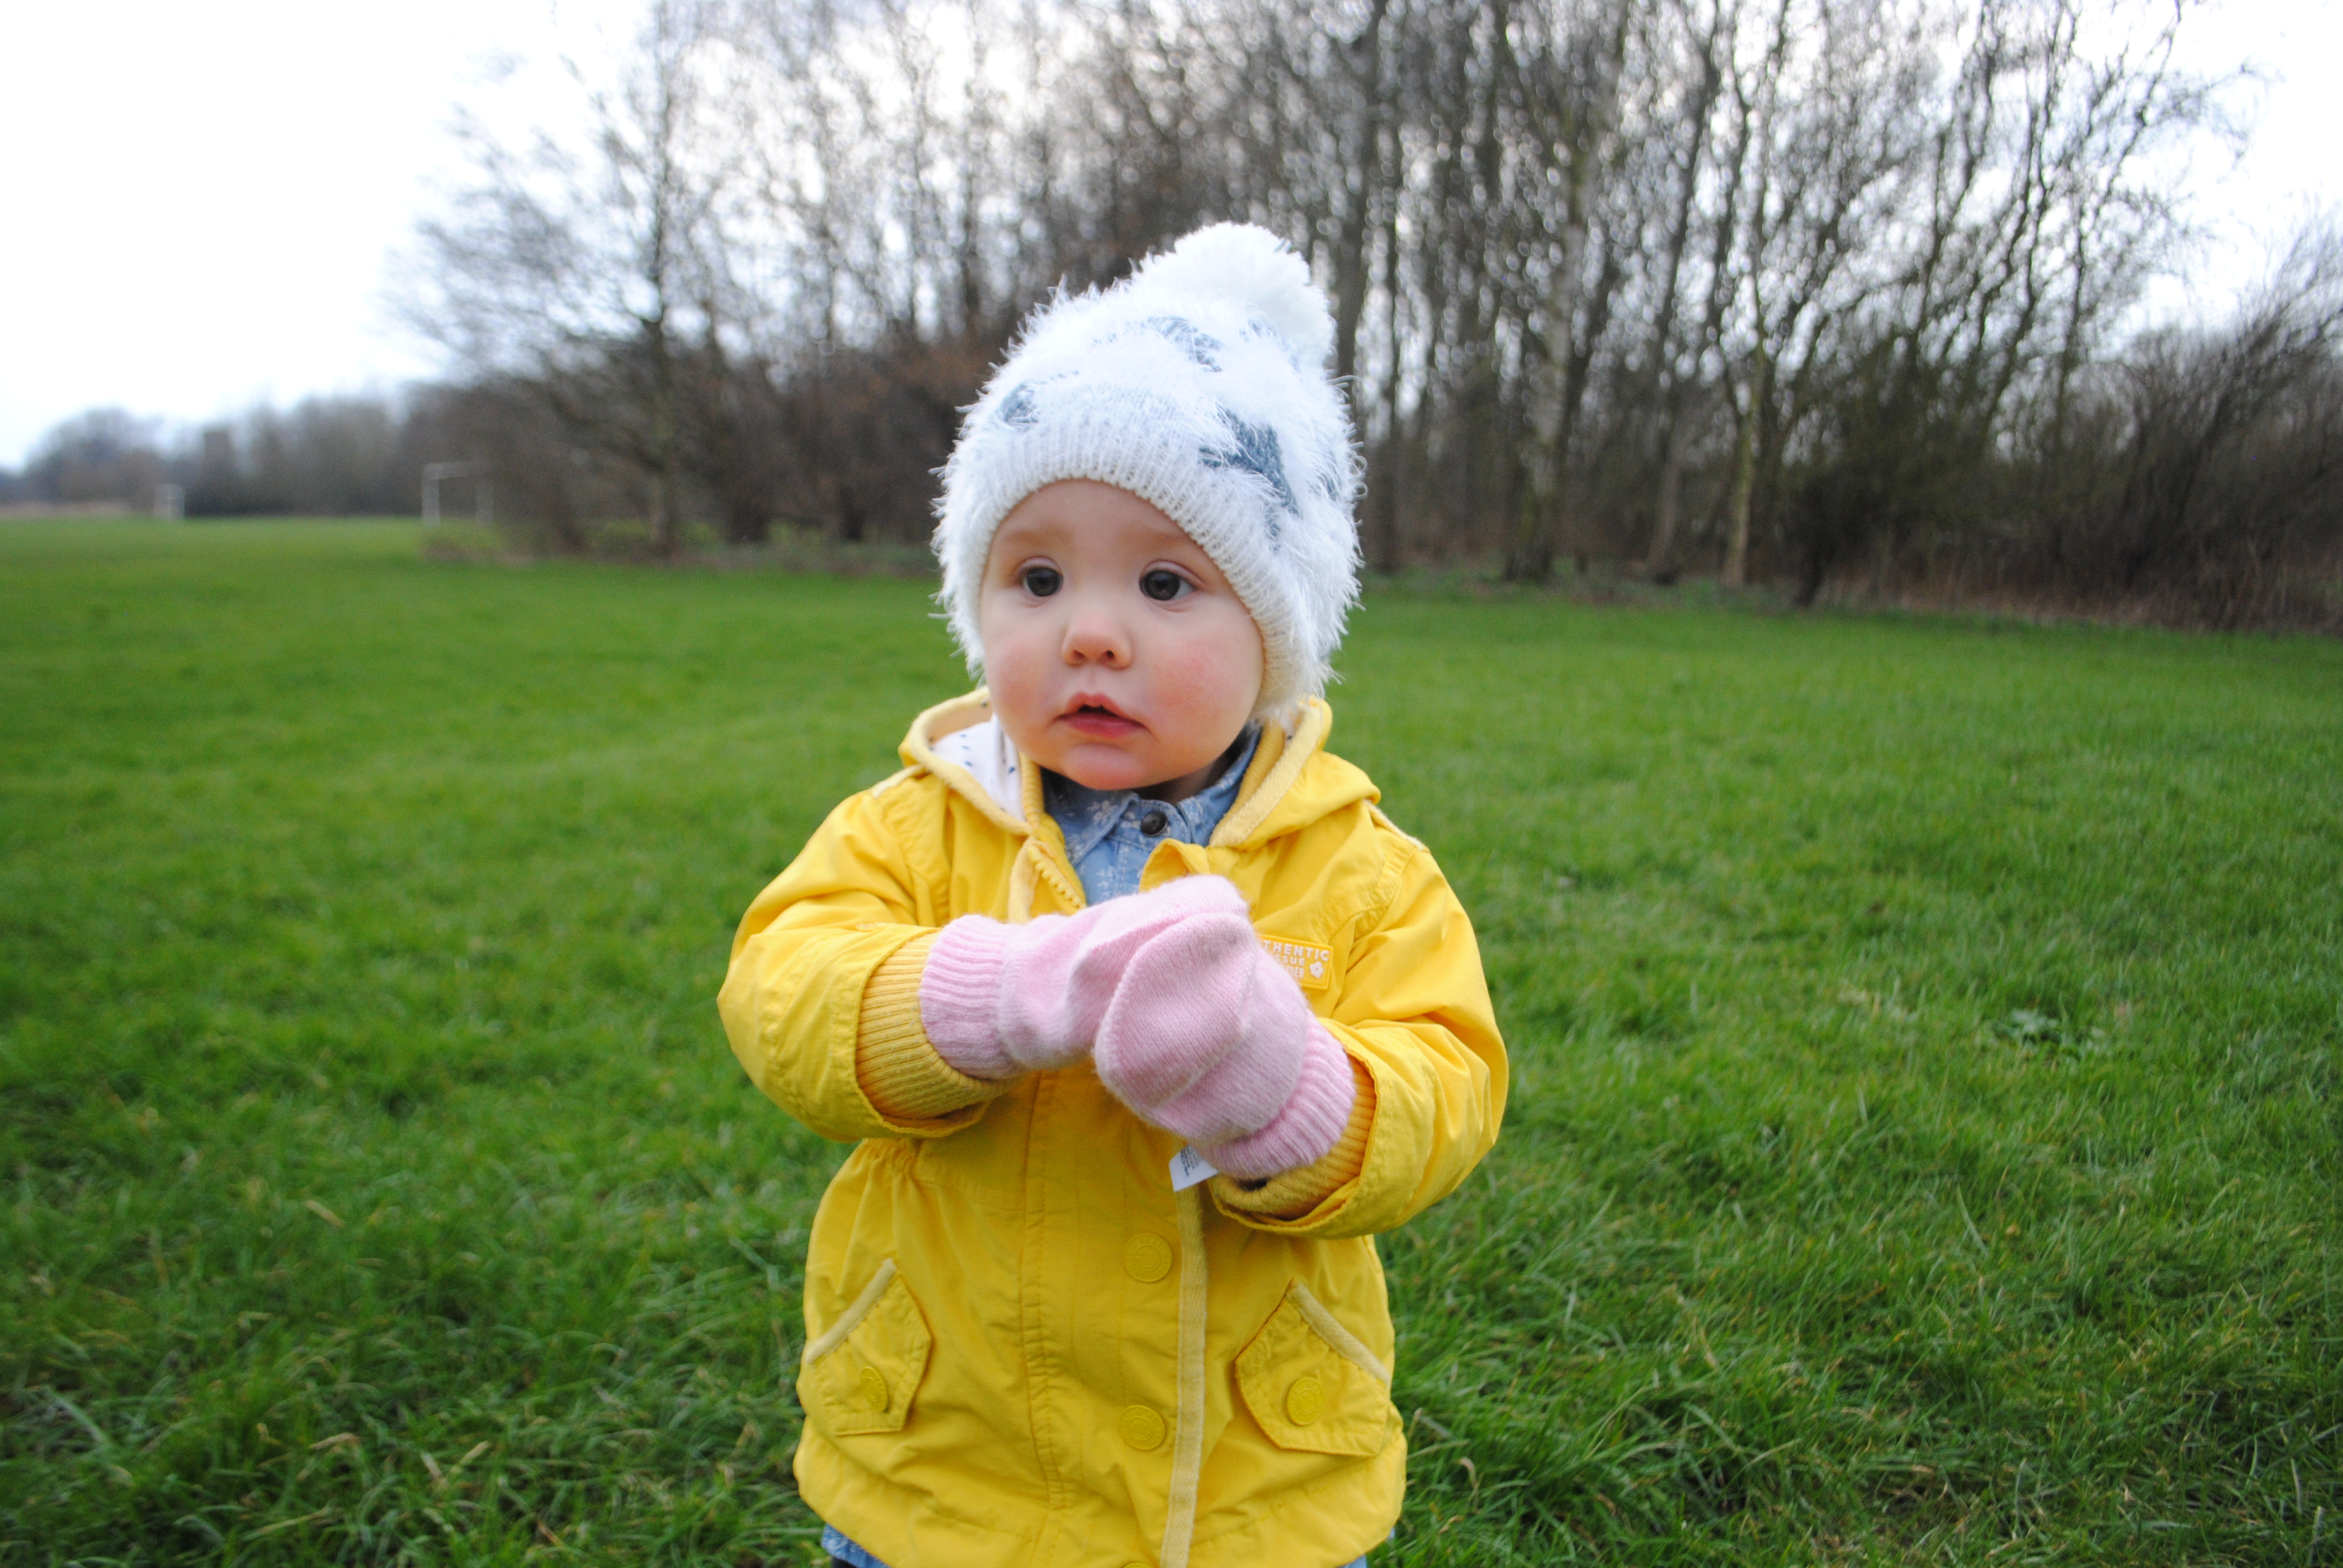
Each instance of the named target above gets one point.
<point>1098,721</point>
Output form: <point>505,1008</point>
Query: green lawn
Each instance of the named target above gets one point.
<point>1924,1145</point>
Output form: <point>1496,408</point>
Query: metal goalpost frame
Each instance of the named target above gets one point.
<point>483,500</point>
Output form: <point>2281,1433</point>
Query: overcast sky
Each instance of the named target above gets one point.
<point>202,203</point>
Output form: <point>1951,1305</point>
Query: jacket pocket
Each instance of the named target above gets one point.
<point>860,1375</point>
<point>1311,1385</point>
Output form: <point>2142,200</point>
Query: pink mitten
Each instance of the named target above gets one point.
<point>1209,1037</point>
<point>999,999</point>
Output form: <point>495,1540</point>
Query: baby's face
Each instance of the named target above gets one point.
<point>1116,652</point>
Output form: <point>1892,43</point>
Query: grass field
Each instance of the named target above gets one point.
<point>1927,1144</point>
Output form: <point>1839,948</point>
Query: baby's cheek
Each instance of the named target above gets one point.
<point>1210,676</point>
<point>1014,675</point>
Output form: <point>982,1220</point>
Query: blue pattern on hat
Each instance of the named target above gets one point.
<point>1017,408</point>
<point>1199,346</point>
<point>1254,451</point>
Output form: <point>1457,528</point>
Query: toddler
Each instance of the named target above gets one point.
<point>1145,1017</point>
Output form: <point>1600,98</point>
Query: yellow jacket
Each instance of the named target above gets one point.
<point>1022,1346</point>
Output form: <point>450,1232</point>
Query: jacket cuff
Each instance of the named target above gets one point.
<point>899,1072</point>
<point>1296,1192</point>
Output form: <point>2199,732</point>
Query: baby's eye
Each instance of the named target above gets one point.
<point>1163,583</point>
<point>1042,581</point>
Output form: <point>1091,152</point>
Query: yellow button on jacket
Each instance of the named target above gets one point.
<point>988,1342</point>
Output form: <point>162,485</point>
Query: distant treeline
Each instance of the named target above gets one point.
<point>325,457</point>
<point>1837,295</point>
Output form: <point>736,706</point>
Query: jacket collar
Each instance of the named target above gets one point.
<point>1292,782</point>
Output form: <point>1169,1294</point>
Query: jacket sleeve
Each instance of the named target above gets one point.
<point>821,1018</point>
<point>1414,1015</point>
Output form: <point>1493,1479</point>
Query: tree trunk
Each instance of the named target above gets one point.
<point>1664,520</point>
<point>1557,379</point>
<point>1350,269</point>
<point>1382,496</point>
<point>1529,557</point>
<point>1744,477</point>
<point>1668,382</point>
<point>665,536</point>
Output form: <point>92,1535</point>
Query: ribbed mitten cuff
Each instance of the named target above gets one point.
<point>1310,1123</point>
<point>899,1071</point>
<point>960,996</point>
<point>1296,1192</point>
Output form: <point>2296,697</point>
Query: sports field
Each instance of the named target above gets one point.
<point>1926,1145</point>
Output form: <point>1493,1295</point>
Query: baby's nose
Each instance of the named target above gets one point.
<point>1093,639</point>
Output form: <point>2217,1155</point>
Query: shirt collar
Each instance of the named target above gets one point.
<point>1087,817</point>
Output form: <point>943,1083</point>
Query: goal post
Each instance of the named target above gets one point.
<point>483,499</point>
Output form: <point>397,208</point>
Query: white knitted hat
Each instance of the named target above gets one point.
<point>1198,384</point>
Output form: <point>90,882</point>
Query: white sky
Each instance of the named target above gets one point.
<point>200,203</point>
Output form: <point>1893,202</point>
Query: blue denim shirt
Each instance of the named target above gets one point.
<point>1108,832</point>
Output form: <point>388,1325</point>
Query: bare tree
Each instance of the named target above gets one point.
<point>586,267</point>
<point>104,455</point>
<point>1787,288</point>
<point>2231,464</point>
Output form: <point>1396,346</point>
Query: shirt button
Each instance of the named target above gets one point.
<point>1142,1427</point>
<point>874,1385</point>
<point>1305,1401</point>
<point>1146,1258</point>
<point>1153,823</point>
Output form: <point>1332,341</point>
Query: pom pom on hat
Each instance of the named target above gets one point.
<point>1198,384</point>
<point>1252,266</point>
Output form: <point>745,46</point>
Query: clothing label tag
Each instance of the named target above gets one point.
<point>1188,1168</point>
<point>1312,966</point>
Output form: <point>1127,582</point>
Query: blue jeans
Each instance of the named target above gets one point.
<point>844,1551</point>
